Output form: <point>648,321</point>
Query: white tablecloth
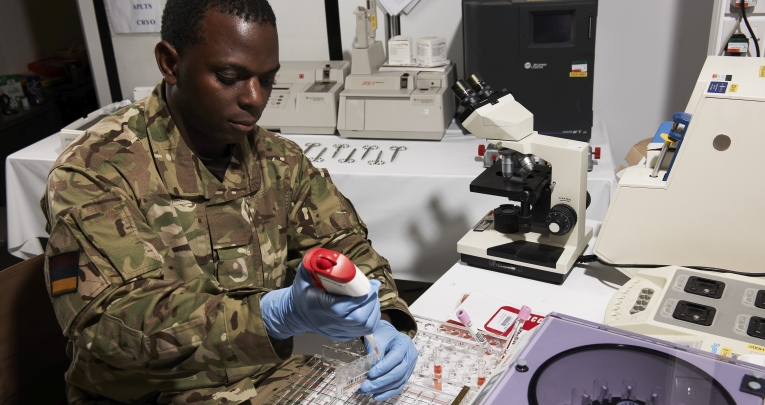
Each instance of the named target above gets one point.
<point>585,293</point>
<point>416,208</point>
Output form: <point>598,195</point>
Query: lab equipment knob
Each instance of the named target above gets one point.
<point>561,219</point>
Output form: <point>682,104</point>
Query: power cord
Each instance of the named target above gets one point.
<point>749,27</point>
<point>585,259</point>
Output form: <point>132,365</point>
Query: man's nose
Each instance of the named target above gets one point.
<point>252,95</point>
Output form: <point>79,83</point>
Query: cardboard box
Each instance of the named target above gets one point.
<point>655,146</point>
<point>647,151</point>
<point>431,50</point>
<point>636,154</point>
<point>400,51</point>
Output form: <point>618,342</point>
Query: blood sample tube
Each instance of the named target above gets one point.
<point>437,368</point>
<point>463,316</point>
<point>481,372</point>
<point>437,385</point>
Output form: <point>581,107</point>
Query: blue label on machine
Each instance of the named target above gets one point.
<point>718,87</point>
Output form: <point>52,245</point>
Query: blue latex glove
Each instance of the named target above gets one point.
<point>399,356</point>
<point>305,308</point>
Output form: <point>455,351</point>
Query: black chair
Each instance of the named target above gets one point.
<point>32,347</point>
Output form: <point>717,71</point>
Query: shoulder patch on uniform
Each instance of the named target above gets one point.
<point>63,269</point>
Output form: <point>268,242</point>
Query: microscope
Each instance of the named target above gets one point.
<point>541,232</point>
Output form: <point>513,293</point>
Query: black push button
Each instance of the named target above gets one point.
<point>694,313</point>
<point>705,287</point>
<point>759,301</point>
<point>756,327</point>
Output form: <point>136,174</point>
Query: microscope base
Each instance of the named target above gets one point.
<point>521,255</point>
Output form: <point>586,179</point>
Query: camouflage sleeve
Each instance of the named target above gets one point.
<point>322,217</point>
<point>104,269</point>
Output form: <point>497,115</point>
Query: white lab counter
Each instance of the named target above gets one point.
<point>585,293</point>
<point>416,207</point>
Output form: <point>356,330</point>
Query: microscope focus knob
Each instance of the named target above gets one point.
<point>561,219</point>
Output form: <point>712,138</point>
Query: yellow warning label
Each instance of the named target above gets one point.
<point>373,21</point>
<point>756,348</point>
<point>726,351</point>
<point>762,71</point>
<point>582,74</point>
<point>733,88</point>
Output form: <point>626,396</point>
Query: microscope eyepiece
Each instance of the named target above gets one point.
<point>480,87</point>
<point>466,94</point>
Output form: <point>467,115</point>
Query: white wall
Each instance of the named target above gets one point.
<point>17,46</point>
<point>302,36</point>
<point>648,56</point>
<point>33,29</point>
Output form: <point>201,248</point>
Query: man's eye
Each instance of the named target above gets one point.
<point>268,82</point>
<point>226,79</point>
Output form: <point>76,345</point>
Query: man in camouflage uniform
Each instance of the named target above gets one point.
<point>171,219</point>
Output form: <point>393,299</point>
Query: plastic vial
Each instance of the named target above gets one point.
<point>481,372</point>
<point>437,368</point>
<point>600,391</point>
<point>580,397</point>
<point>629,389</point>
<point>657,397</point>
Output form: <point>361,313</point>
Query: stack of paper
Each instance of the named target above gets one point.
<point>395,7</point>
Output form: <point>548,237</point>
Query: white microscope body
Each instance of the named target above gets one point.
<point>548,248</point>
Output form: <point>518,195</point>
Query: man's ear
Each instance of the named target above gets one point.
<point>167,61</point>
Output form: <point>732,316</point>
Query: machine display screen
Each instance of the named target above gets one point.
<point>549,28</point>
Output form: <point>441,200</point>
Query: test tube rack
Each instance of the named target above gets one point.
<point>459,356</point>
<point>314,384</point>
<point>332,378</point>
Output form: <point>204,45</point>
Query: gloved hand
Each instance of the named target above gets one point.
<point>305,308</point>
<point>399,356</point>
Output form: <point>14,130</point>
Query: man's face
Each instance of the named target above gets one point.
<point>225,80</point>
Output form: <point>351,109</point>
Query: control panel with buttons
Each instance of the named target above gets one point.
<point>719,313</point>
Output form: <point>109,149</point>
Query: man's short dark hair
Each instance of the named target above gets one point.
<point>182,19</point>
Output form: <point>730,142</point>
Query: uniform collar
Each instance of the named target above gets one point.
<point>183,174</point>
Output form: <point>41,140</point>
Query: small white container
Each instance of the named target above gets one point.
<point>431,50</point>
<point>400,50</point>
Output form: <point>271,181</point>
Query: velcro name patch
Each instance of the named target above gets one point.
<point>63,269</point>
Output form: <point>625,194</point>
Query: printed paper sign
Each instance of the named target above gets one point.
<point>501,322</point>
<point>134,16</point>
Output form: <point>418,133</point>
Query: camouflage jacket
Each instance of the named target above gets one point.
<point>156,268</point>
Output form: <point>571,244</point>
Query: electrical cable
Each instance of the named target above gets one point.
<point>584,259</point>
<point>749,27</point>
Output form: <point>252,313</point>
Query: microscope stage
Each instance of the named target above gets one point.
<point>519,189</point>
<point>528,255</point>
